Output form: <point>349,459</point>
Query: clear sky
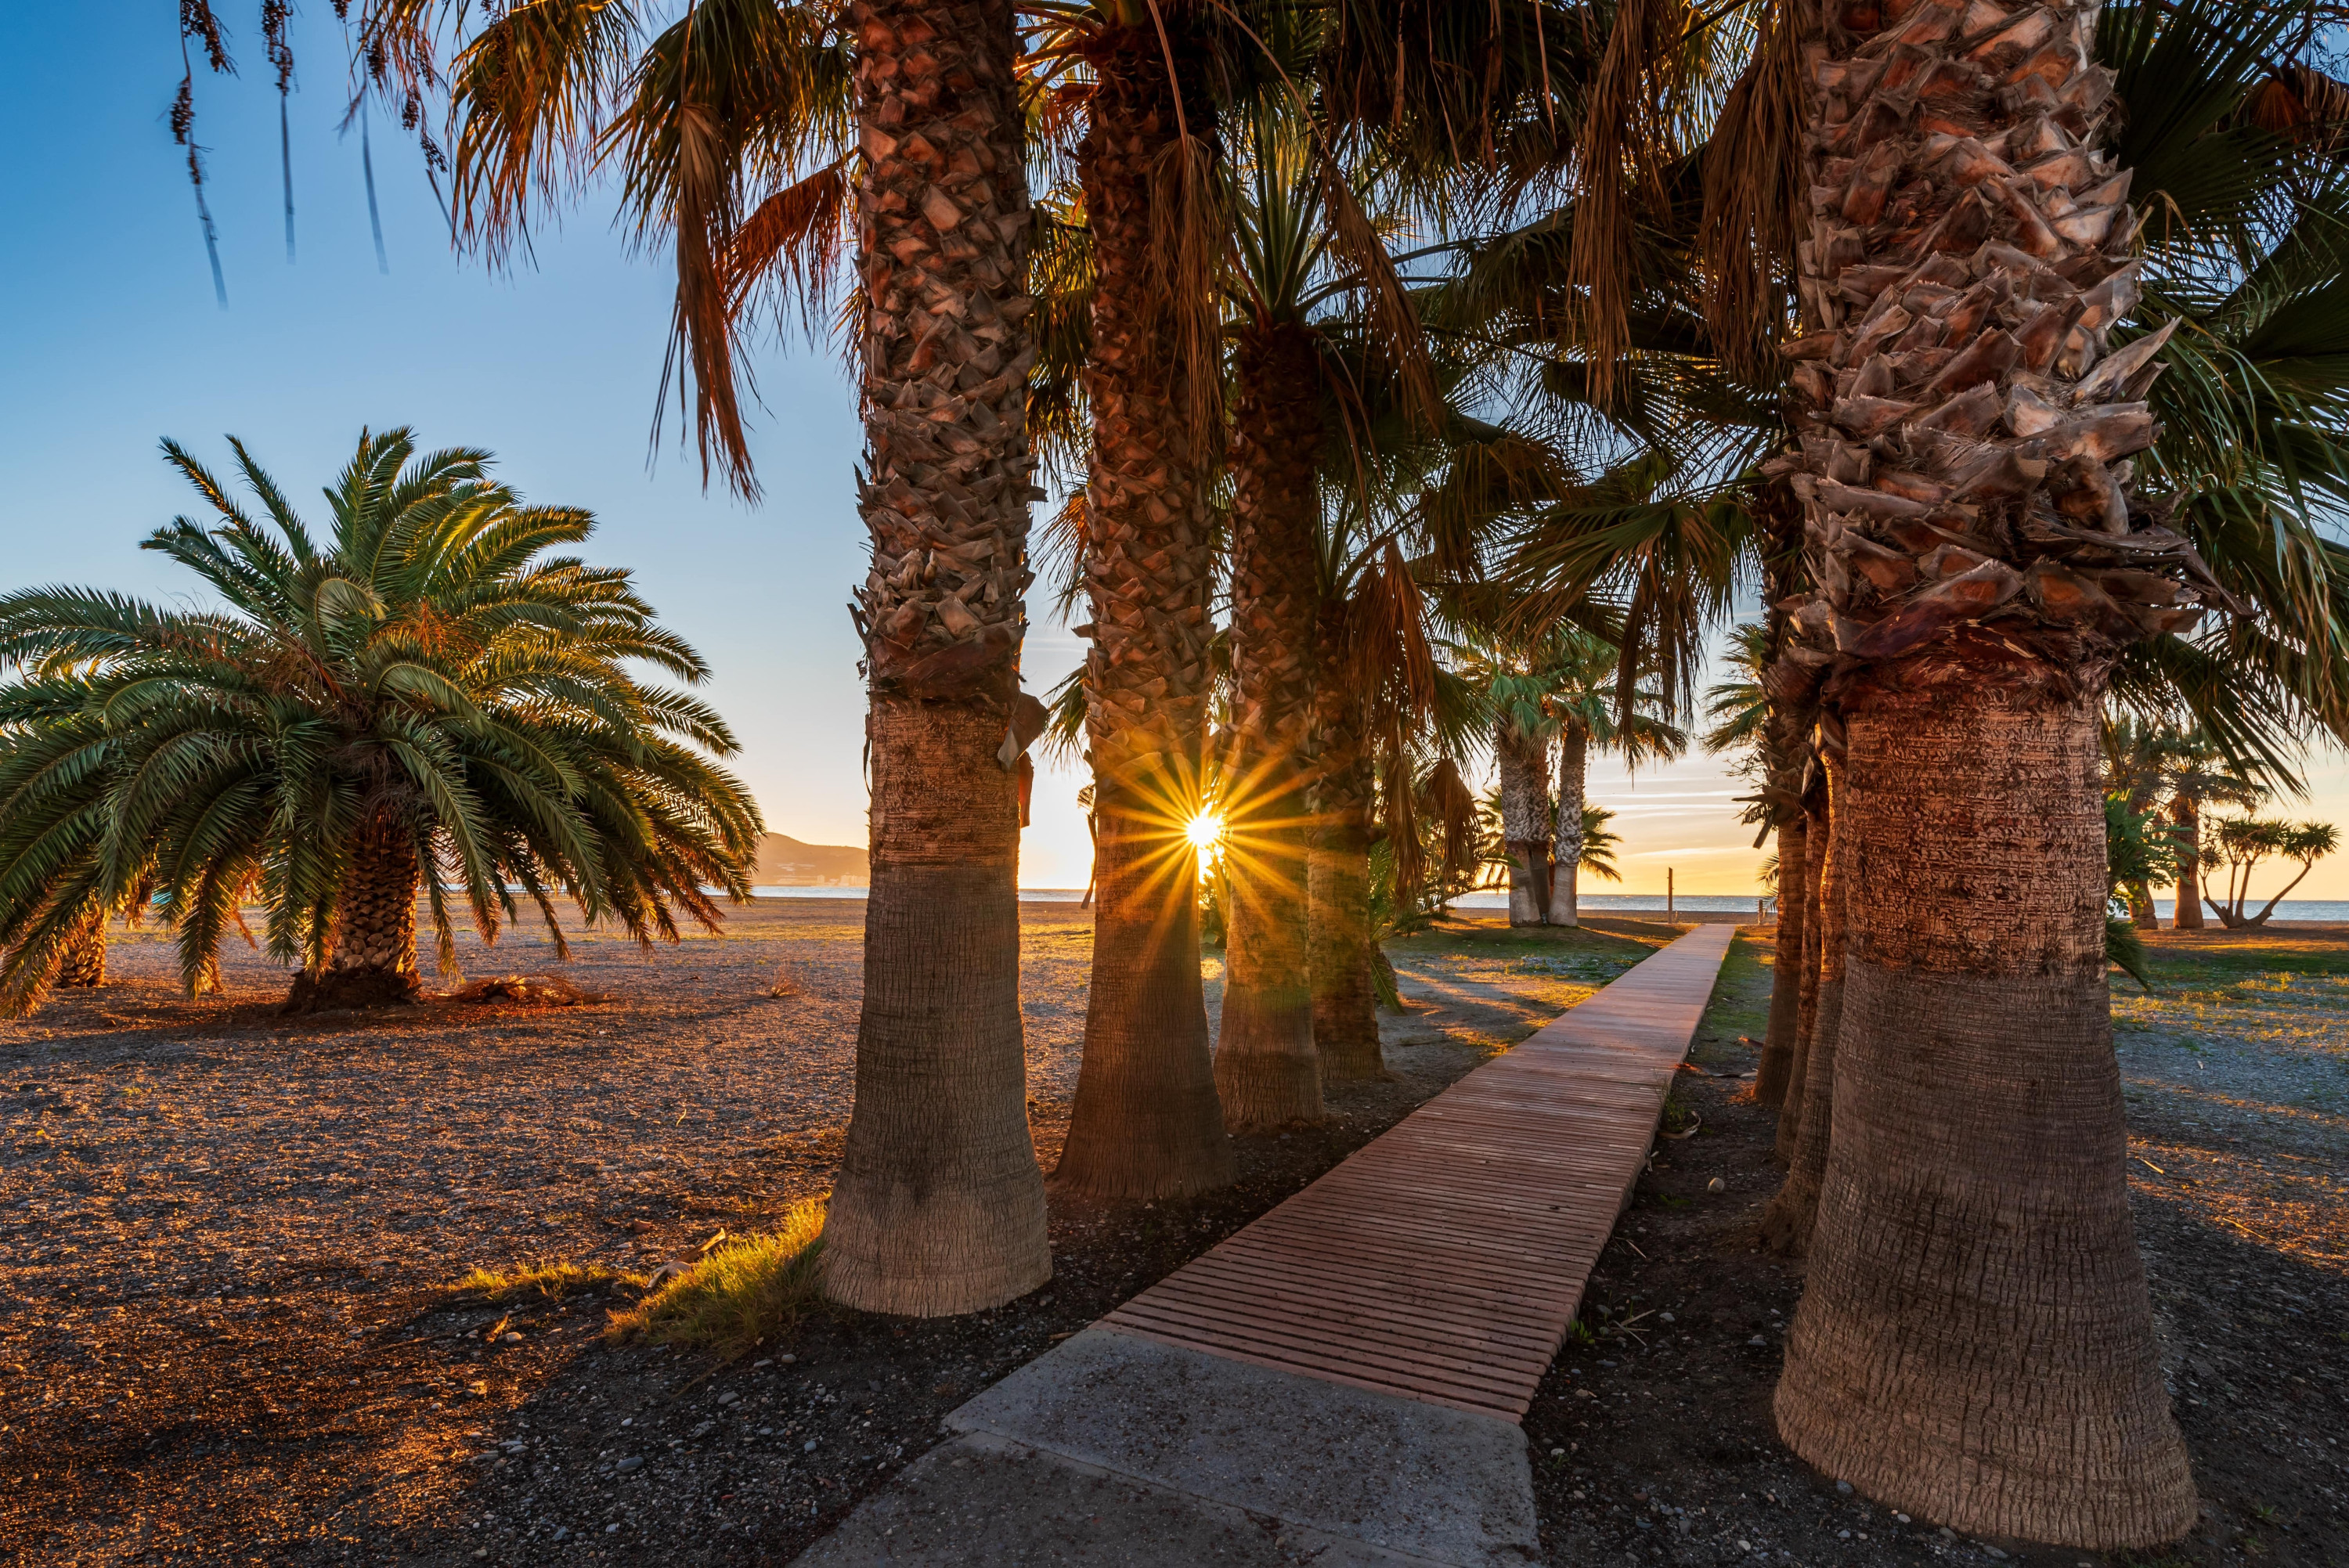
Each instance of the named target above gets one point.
<point>111,339</point>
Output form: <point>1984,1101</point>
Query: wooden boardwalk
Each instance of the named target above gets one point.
<point>1444,1261</point>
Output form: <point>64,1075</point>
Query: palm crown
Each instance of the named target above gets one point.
<point>421,693</point>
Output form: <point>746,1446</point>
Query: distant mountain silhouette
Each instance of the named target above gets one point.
<point>784,862</point>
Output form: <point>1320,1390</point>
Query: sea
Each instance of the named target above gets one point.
<point>2297,909</point>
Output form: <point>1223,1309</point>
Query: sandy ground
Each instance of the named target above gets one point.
<point>225,1239</point>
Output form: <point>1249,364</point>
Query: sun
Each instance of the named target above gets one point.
<point>1205,831</point>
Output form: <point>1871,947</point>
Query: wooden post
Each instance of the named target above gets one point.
<point>1668,893</point>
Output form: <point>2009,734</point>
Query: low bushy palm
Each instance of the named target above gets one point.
<point>423,695</point>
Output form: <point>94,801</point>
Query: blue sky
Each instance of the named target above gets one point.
<point>111,339</point>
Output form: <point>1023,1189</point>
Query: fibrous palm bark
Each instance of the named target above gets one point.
<point>1267,1071</point>
<point>1345,995</point>
<point>940,1206</point>
<point>1786,1221</point>
<point>2186,818</point>
<point>1523,763</point>
<point>1146,1123</point>
<point>1777,1063</point>
<point>371,962</point>
<point>1974,1344</point>
<point>1816,826</point>
<point>85,961</point>
<point>1566,870</point>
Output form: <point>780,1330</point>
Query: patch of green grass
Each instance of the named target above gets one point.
<point>553,1281</point>
<point>1740,1003</point>
<point>745,1291</point>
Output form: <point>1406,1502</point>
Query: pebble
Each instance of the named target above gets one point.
<point>563,1533</point>
<point>1992,1552</point>
<point>728,1396</point>
<point>1716,1185</point>
<point>611,1529</point>
<point>633,1462</point>
<point>1843,1487</point>
<point>1666,1317</point>
<point>808,1447</point>
<point>787,1360</point>
<point>1758,1339</point>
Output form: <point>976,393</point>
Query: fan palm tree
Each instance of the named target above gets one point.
<point>764,142</point>
<point>1556,696</point>
<point>2243,842</point>
<point>417,695</point>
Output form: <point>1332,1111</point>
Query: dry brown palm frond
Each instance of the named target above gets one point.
<point>1620,154</point>
<point>1455,805</point>
<point>1189,233</point>
<point>531,96</point>
<point>1393,328</point>
<point>797,240</point>
<point>1059,554</point>
<point>701,334</point>
<point>1753,197</point>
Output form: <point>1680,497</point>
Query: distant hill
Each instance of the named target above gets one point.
<point>784,862</point>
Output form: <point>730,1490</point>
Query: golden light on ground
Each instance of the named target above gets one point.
<point>1206,830</point>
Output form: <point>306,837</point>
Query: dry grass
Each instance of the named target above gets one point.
<point>553,1281</point>
<point>786,983</point>
<point>529,990</point>
<point>745,1291</point>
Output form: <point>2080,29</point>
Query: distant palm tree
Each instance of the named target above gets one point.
<point>1560,692</point>
<point>2244,842</point>
<point>417,695</point>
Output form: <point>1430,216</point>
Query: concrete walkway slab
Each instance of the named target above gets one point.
<point>1340,1381</point>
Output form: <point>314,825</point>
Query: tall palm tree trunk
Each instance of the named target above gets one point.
<point>1975,1343</point>
<point>1524,766</point>
<point>2186,817</point>
<point>85,961</point>
<point>1777,1064</point>
<point>1145,1123</point>
<point>1566,870</point>
<point>1817,825</point>
<point>1786,1221</point>
<point>1266,1072</point>
<point>1345,995</point>
<point>940,1206</point>
<point>371,962</point>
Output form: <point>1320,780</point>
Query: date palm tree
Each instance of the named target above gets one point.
<point>418,697</point>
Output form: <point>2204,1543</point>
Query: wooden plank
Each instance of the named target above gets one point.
<point>1444,1262</point>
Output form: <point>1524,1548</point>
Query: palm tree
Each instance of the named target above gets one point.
<point>1958,304</point>
<point>2244,842</point>
<point>415,696</point>
<point>1583,706</point>
<point>763,141</point>
<point>1560,692</point>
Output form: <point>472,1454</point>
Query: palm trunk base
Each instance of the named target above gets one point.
<point>940,1206</point>
<point>1777,1062</point>
<point>1529,901</point>
<point>370,985</point>
<point>1975,1341</point>
<point>1268,1073</point>
<point>1345,996</point>
<point>1146,1124</point>
<point>85,962</point>
<point>1806,994</point>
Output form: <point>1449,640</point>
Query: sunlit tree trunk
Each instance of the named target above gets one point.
<point>2186,813</point>
<point>1524,764</point>
<point>371,962</point>
<point>85,961</point>
<point>1146,1123</point>
<point>1975,1343</point>
<point>1566,870</point>
<point>939,1206</point>
<point>1266,1072</point>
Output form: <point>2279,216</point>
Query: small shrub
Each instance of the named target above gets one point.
<point>786,983</point>
<point>747,1289</point>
